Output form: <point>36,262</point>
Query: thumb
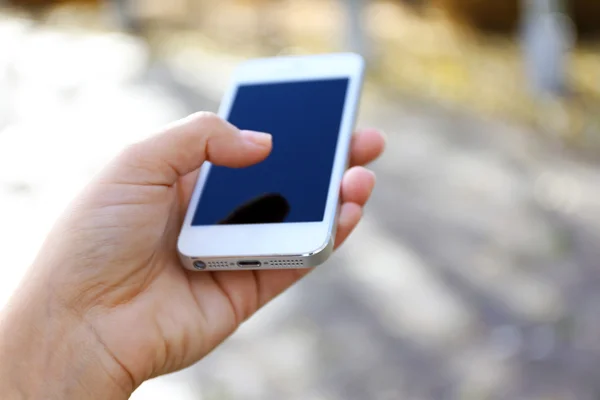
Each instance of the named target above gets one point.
<point>182,148</point>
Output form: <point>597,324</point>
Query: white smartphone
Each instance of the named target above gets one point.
<point>282,212</point>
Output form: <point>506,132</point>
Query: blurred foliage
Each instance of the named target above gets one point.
<point>432,49</point>
<point>503,16</point>
<point>491,16</point>
<point>488,16</point>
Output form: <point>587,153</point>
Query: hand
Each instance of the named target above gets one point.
<point>107,304</point>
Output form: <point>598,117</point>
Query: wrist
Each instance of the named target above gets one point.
<point>48,353</point>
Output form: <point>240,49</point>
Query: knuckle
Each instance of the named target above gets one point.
<point>131,151</point>
<point>132,156</point>
<point>208,119</point>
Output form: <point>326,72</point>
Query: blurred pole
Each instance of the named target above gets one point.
<point>123,13</point>
<point>356,38</point>
<point>547,39</point>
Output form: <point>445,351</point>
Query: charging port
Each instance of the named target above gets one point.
<point>249,264</point>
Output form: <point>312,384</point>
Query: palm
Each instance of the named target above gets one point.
<point>179,313</point>
<point>202,308</point>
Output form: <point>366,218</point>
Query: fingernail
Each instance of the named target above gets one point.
<point>258,138</point>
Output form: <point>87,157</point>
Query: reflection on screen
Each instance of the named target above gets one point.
<point>291,185</point>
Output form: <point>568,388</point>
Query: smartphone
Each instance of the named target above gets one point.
<point>282,212</point>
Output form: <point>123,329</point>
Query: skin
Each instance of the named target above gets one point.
<point>107,305</point>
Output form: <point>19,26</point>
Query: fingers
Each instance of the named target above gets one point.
<point>350,215</point>
<point>367,145</point>
<point>262,286</point>
<point>182,148</point>
<point>357,185</point>
<point>270,283</point>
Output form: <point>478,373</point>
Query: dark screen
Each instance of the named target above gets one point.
<point>291,185</point>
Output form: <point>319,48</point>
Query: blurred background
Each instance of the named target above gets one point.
<point>475,273</point>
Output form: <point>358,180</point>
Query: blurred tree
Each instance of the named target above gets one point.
<point>493,16</point>
<point>37,8</point>
<point>34,5</point>
<point>503,16</point>
<point>586,14</point>
<point>417,6</point>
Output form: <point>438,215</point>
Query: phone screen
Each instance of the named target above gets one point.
<point>292,183</point>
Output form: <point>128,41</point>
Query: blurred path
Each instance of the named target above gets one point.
<point>474,274</point>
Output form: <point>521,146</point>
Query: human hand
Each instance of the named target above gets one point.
<point>107,304</point>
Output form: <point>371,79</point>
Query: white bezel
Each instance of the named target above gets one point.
<point>286,239</point>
